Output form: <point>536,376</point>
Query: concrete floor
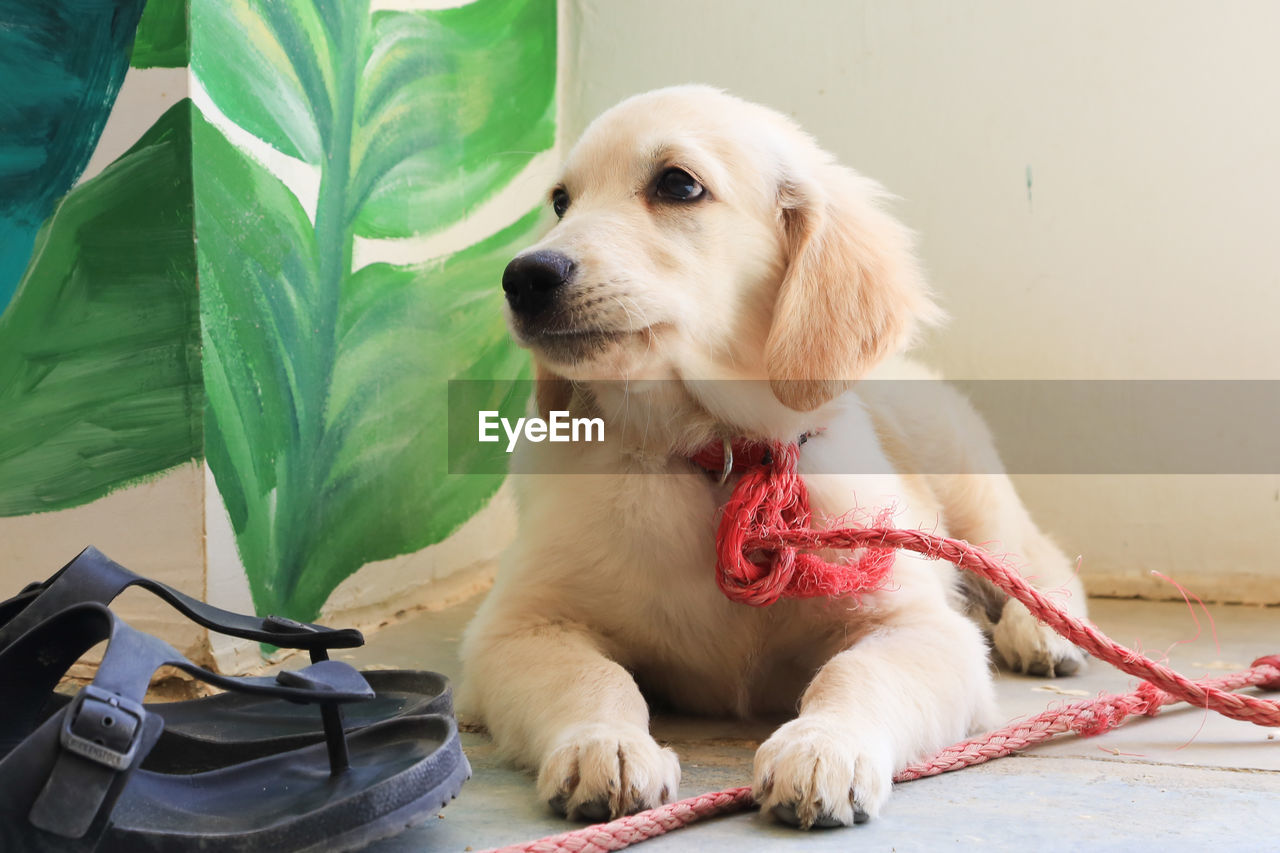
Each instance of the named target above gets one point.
<point>1182,781</point>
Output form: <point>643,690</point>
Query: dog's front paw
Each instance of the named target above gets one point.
<point>1025,645</point>
<point>813,771</point>
<point>599,772</point>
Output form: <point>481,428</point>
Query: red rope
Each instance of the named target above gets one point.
<point>763,544</point>
<point>757,566</point>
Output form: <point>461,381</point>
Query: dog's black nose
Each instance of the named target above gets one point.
<point>531,281</point>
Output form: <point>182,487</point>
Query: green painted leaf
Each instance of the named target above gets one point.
<point>377,482</point>
<point>327,388</point>
<point>258,284</point>
<point>99,352</point>
<point>387,489</point>
<point>161,41</point>
<point>269,68</point>
<point>485,73</point>
<point>61,64</point>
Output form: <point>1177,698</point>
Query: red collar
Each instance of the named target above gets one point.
<point>733,456</point>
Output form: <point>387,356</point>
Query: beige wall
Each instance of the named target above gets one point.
<point>155,528</point>
<point>1144,247</point>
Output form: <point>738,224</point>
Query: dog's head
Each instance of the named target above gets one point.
<point>704,237</point>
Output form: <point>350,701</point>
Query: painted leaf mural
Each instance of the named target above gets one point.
<point>161,38</point>
<point>66,61</point>
<point>99,347</point>
<point>99,354</point>
<point>326,383</point>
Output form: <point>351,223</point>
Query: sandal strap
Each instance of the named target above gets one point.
<point>93,576</point>
<point>85,753</point>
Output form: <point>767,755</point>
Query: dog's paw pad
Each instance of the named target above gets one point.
<point>601,772</point>
<point>1027,646</point>
<point>814,773</point>
<point>787,814</point>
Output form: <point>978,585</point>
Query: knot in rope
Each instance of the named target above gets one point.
<point>764,539</point>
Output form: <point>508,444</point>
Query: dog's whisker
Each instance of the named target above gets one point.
<point>630,320</point>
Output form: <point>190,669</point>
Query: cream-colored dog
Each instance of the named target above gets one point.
<point>735,279</point>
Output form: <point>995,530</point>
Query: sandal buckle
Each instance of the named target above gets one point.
<point>104,727</point>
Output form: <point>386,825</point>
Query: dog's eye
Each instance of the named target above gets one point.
<point>678,185</point>
<point>559,201</point>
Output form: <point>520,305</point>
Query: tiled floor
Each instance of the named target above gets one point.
<point>1183,781</point>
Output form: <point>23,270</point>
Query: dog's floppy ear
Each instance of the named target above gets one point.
<point>851,291</point>
<point>551,391</point>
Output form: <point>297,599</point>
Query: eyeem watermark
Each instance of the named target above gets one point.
<point>1068,426</point>
<point>560,427</point>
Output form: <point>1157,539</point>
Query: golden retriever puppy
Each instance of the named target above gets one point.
<point>715,274</point>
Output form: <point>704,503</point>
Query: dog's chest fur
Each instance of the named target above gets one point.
<point>637,566</point>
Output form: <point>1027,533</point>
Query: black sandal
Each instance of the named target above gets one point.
<point>229,728</point>
<point>74,781</point>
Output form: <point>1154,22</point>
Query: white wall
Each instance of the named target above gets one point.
<point>1144,247</point>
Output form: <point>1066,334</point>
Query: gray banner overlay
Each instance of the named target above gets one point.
<point>1038,426</point>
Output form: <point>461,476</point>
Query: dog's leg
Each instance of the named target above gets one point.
<point>1021,640</point>
<point>554,701</point>
<point>898,694</point>
<point>986,509</point>
<point>938,432</point>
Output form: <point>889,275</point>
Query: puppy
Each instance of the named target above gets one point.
<point>715,274</point>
